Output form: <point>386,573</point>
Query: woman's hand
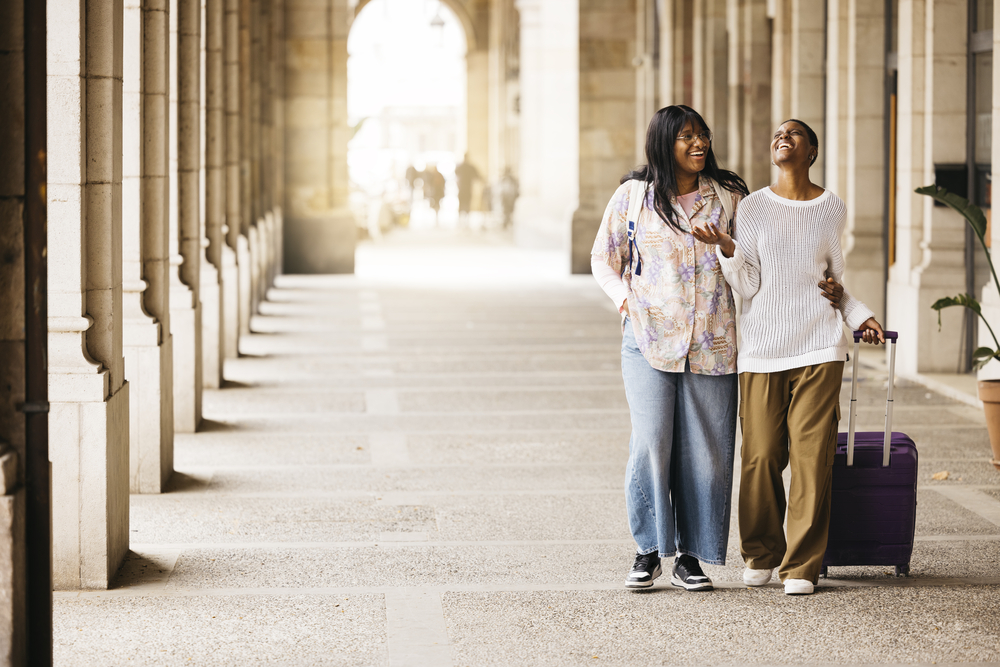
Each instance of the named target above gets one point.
<point>715,236</point>
<point>624,309</point>
<point>833,291</point>
<point>872,331</point>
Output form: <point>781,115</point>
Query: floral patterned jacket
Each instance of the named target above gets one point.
<point>681,307</point>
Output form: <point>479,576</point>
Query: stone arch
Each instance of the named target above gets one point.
<point>458,8</point>
<point>477,90</point>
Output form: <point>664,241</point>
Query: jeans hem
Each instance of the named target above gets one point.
<point>706,561</point>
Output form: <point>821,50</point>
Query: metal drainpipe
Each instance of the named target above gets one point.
<point>970,170</point>
<point>38,529</point>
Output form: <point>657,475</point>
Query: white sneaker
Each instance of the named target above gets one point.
<point>757,577</point>
<point>798,587</point>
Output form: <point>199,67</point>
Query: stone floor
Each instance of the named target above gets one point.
<point>422,465</point>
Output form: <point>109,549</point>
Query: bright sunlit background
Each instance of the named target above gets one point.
<point>406,89</point>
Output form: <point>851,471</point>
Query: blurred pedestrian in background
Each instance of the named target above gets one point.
<point>411,179</point>
<point>434,188</point>
<point>509,191</point>
<point>466,174</point>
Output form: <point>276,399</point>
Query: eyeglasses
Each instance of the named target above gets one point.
<point>690,138</point>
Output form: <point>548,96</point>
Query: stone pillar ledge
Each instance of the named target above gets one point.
<point>70,324</point>
<point>141,333</point>
<point>69,385</point>
<point>133,286</point>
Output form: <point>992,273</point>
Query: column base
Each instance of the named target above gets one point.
<point>151,424</point>
<point>230,305</point>
<point>88,444</point>
<point>185,326</point>
<point>243,261</point>
<point>321,244</point>
<point>909,311</point>
<point>210,292</point>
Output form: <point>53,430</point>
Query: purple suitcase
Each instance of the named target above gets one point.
<point>874,508</point>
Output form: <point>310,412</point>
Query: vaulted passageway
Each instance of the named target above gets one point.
<point>422,464</point>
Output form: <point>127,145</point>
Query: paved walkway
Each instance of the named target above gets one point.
<point>422,465</point>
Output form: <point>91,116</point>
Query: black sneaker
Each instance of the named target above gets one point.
<point>644,570</point>
<point>688,574</point>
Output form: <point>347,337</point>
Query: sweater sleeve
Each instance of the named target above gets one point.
<point>610,281</point>
<point>742,270</point>
<point>854,311</point>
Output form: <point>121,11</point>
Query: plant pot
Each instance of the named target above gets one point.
<point>989,394</point>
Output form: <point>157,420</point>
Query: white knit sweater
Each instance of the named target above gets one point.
<point>783,249</point>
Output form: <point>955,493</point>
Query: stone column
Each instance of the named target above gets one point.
<point>864,189</point>
<point>319,232</point>
<point>254,129</point>
<point>89,414</point>
<point>834,147</point>
<point>146,337</point>
<point>679,52</point>
<point>930,241</point>
<point>808,77</point>
<point>665,12</point>
<point>246,193</point>
<point>779,11</point>
<point>214,193</point>
<point>233,201</point>
<point>503,30</point>
<point>711,87</point>
<point>277,62</point>
<point>609,134</point>
<point>754,94</point>
<point>644,63</point>
<point>477,126</point>
<point>13,348</point>
<point>185,237</point>
<point>551,50</point>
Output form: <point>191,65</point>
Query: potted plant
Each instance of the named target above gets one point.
<point>989,390</point>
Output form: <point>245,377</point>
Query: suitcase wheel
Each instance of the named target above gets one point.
<point>903,570</point>
<point>825,573</point>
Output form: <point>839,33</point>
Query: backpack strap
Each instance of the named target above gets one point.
<point>636,196</point>
<point>726,198</point>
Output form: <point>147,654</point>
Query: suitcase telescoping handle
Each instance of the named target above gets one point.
<point>890,337</point>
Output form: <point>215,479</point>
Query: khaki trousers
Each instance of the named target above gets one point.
<point>788,418</point>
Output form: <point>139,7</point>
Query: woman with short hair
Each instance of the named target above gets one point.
<point>792,359</point>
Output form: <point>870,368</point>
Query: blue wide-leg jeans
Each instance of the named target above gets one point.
<point>679,478</point>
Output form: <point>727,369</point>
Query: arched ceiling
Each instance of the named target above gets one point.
<point>458,7</point>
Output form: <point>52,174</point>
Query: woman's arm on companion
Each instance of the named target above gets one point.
<point>737,256</point>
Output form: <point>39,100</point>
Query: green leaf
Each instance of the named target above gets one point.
<point>972,213</point>
<point>974,216</point>
<point>960,300</point>
<point>985,352</point>
<point>982,356</point>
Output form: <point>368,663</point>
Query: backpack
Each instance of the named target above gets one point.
<point>637,196</point>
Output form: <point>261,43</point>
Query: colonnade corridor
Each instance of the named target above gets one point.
<point>422,464</point>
